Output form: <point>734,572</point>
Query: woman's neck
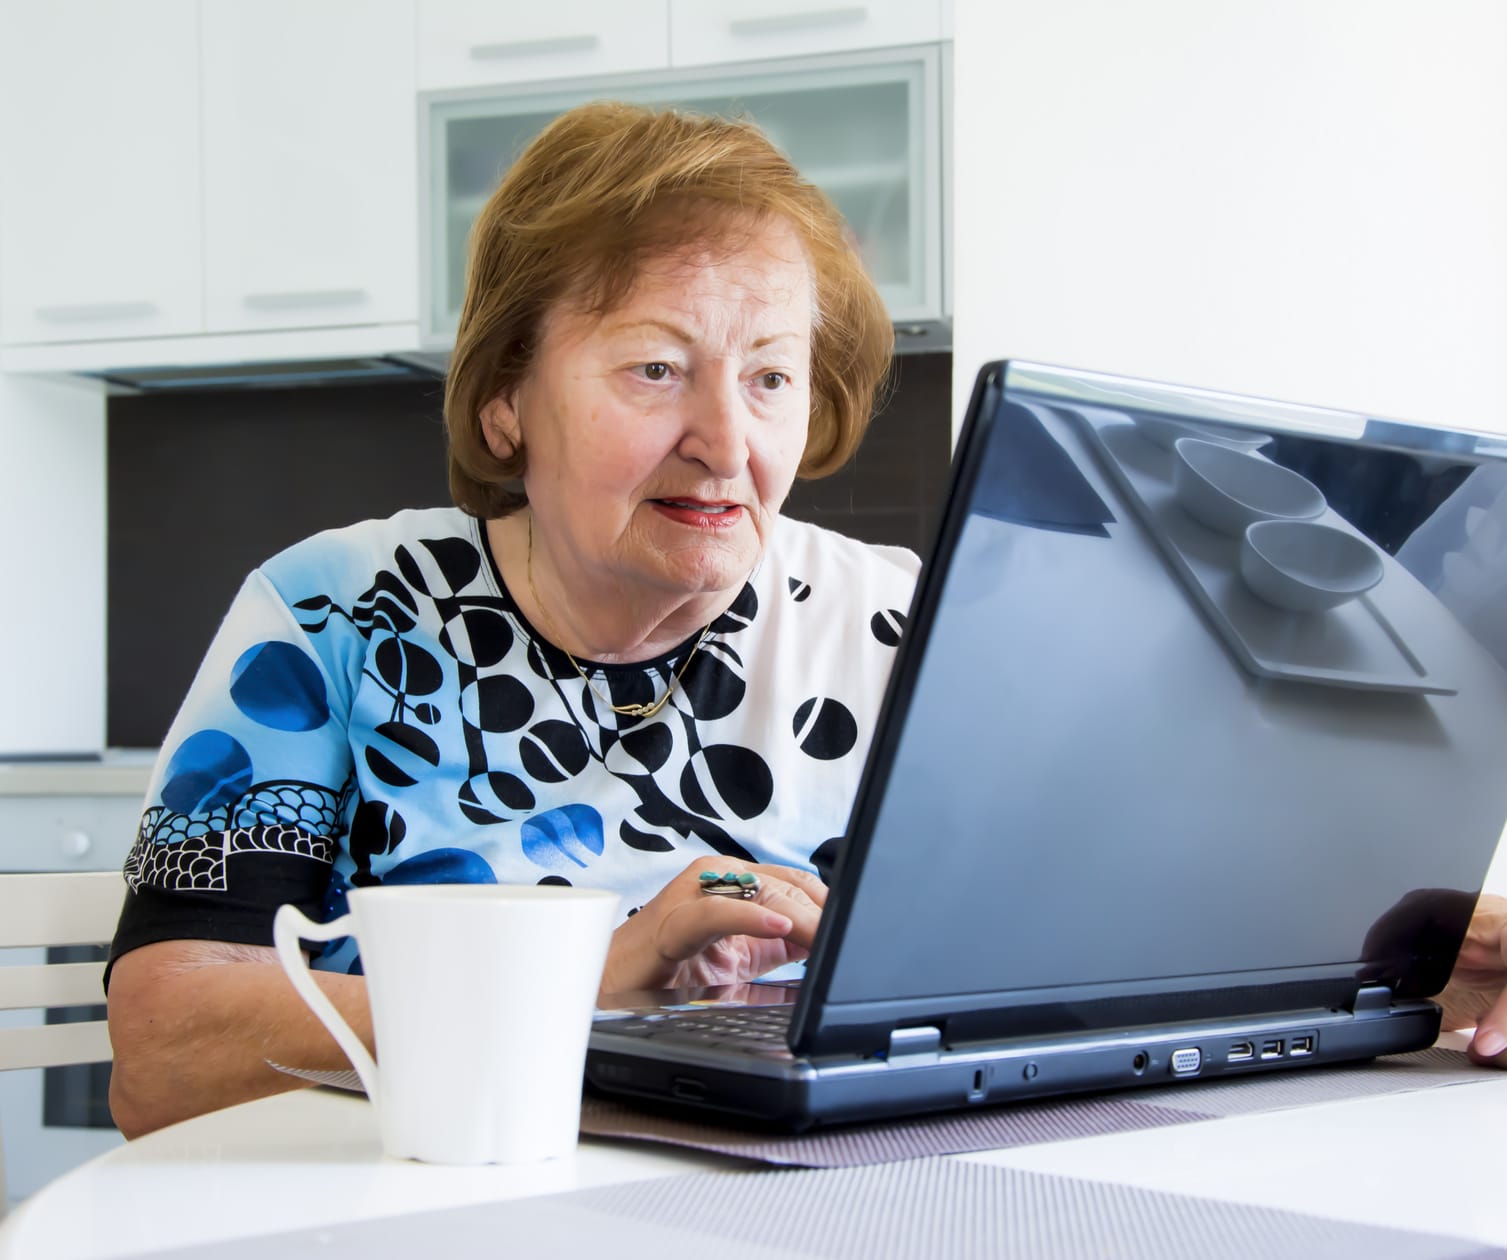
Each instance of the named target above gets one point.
<point>610,621</point>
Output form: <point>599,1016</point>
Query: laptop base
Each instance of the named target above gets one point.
<point>775,1091</point>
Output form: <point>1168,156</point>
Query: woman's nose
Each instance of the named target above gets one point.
<point>716,431</point>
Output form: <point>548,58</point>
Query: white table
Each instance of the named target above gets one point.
<point>1432,1161</point>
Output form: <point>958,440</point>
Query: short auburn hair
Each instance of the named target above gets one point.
<point>601,190</point>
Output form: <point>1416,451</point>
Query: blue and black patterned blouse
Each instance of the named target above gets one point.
<point>375,709</point>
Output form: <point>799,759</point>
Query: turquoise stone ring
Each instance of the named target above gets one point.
<point>730,884</point>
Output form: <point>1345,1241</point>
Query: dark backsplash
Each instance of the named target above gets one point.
<point>891,491</point>
<point>203,487</point>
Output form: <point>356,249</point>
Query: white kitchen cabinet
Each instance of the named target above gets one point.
<point>866,127</point>
<point>309,182</point>
<point>192,182</point>
<point>469,43</point>
<point>100,213</point>
<point>705,32</point>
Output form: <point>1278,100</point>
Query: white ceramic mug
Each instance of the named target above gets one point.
<point>481,999</point>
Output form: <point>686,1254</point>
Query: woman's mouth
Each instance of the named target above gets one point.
<point>699,513</point>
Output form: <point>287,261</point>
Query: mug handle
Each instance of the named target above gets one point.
<point>289,926</point>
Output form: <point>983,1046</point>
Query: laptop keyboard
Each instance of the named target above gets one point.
<point>756,1030</point>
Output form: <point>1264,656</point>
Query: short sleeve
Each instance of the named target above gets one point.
<point>250,796</point>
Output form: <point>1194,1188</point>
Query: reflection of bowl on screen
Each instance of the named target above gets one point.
<point>1228,489</point>
<point>1163,431</point>
<point>1307,567</point>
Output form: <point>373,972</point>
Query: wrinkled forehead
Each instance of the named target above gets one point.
<point>680,246</point>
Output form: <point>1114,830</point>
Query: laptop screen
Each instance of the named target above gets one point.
<point>1138,744</point>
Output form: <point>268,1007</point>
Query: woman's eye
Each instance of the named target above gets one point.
<point>655,371</point>
<point>774,380</point>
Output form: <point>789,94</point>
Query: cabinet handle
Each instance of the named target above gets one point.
<point>534,47</point>
<point>300,299</point>
<point>80,312</point>
<point>772,23</point>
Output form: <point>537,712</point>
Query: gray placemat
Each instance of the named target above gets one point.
<point>1019,1124</point>
<point>946,1133</point>
<point>921,1208</point>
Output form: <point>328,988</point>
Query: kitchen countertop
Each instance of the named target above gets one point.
<point>115,772</point>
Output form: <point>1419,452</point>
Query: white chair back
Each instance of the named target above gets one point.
<point>75,908</point>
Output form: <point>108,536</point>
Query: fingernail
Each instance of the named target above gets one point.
<point>1489,1042</point>
<point>778,923</point>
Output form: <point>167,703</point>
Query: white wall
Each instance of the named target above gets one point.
<point>52,566</point>
<point>1302,199</point>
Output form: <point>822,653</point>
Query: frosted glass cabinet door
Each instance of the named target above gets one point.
<point>309,184</point>
<point>99,221</point>
<point>866,128</point>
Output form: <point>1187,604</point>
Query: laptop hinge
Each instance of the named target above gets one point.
<point>1372,1000</point>
<point>910,1045</point>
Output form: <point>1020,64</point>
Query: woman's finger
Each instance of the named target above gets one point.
<point>796,904</point>
<point>796,894</point>
<point>699,923</point>
<point>1489,1045</point>
<point>807,881</point>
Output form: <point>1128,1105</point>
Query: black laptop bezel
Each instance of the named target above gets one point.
<point>988,393</point>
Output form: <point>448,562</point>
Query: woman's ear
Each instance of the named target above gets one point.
<point>499,425</point>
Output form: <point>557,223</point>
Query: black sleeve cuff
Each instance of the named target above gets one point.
<point>170,901</point>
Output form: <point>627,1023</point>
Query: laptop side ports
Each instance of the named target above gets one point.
<point>1302,1046</point>
<point>1241,1052</point>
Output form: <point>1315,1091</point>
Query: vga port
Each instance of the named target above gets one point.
<point>1187,1061</point>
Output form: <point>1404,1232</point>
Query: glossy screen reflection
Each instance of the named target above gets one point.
<point>1111,730</point>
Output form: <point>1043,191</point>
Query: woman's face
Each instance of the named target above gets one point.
<point>663,436</point>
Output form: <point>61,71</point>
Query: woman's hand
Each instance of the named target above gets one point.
<point>1477,989</point>
<point>685,938</point>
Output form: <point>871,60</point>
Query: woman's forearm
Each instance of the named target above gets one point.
<point>194,1024</point>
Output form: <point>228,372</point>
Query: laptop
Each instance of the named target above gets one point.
<point>1125,821</point>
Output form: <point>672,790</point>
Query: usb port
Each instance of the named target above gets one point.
<point>1241,1052</point>
<point>1272,1049</point>
<point>1299,1046</point>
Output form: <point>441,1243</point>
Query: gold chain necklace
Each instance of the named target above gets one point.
<point>627,710</point>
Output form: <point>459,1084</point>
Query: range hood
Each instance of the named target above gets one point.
<point>301,373</point>
<point>266,359</point>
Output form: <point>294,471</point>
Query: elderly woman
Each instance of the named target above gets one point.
<point>613,664</point>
